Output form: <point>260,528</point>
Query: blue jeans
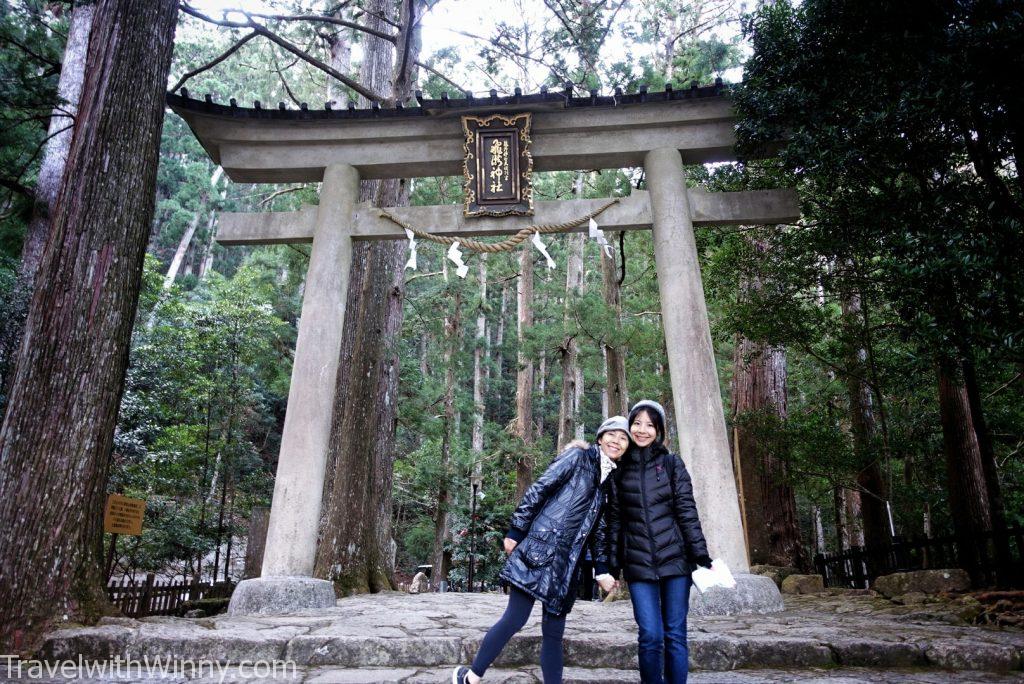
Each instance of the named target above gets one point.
<point>660,611</point>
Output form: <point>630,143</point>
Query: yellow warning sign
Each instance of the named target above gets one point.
<point>123,515</point>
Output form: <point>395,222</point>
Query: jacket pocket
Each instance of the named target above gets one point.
<point>537,552</point>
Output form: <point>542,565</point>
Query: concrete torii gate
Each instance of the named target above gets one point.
<point>659,131</point>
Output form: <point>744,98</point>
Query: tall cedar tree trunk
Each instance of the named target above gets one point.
<point>572,371</point>
<point>496,411</point>
<point>452,334</point>
<point>759,391</point>
<point>819,531</point>
<point>479,352</point>
<point>481,355</point>
<point>179,254</point>
<point>849,531</point>
<point>615,357</point>
<point>988,463</point>
<point>55,443</point>
<point>256,541</point>
<point>48,183</point>
<point>523,423</point>
<point>340,46</point>
<point>207,263</point>
<point>355,548</point>
<point>540,373</point>
<point>176,261</point>
<point>968,491</point>
<point>864,430</point>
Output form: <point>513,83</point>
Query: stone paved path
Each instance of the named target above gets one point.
<point>417,638</point>
<point>573,675</point>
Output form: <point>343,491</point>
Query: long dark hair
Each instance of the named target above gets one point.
<point>654,418</point>
<point>659,428</point>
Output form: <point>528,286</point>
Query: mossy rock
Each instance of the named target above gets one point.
<point>778,573</point>
<point>803,584</point>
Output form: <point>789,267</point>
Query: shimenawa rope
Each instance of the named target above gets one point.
<point>505,245</point>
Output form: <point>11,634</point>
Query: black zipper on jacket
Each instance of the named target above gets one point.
<point>647,513</point>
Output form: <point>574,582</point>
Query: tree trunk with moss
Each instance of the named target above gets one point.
<point>442,515</point>
<point>55,443</point>
<point>522,425</point>
<point>864,430</point>
<point>759,406</point>
<point>614,354</point>
<point>969,504</point>
<point>356,550</point>
<point>48,184</point>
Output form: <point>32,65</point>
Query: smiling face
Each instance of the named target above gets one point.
<point>643,429</point>
<point>614,443</point>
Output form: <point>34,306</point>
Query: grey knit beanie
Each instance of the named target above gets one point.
<point>613,423</point>
<point>647,404</point>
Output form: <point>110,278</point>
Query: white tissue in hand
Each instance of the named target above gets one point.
<point>718,576</point>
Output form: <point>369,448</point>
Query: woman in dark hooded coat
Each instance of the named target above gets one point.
<point>657,541</point>
<point>559,515</point>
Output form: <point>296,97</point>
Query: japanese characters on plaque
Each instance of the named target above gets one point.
<point>498,167</point>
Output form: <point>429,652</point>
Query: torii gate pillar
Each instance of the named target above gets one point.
<point>700,420</point>
<point>287,581</point>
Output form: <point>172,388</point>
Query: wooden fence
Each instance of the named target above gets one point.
<point>991,559</point>
<point>162,598</point>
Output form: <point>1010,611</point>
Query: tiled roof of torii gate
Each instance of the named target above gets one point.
<point>545,100</point>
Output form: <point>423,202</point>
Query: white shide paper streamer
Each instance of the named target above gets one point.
<point>542,249</point>
<point>455,255</point>
<point>597,234</point>
<point>411,263</point>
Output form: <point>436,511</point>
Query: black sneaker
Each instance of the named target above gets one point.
<point>460,675</point>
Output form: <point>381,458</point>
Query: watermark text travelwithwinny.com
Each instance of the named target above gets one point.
<point>147,667</point>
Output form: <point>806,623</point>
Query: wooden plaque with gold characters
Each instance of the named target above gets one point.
<point>123,515</point>
<point>498,166</point>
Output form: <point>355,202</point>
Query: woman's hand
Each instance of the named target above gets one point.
<point>608,584</point>
<point>510,545</point>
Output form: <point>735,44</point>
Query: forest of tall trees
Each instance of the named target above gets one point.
<point>870,357</point>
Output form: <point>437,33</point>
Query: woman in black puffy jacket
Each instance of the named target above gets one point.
<point>656,541</point>
<point>560,514</point>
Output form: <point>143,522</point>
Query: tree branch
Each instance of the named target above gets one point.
<point>608,24</point>
<point>209,65</point>
<point>326,68</point>
<point>17,187</point>
<point>290,47</point>
<point>380,16</point>
<point>421,275</point>
<point>329,20</point>
<point>440,76</point>
<point>564,19</point>
<point>509,51</point>
<point>210,20</point>
<point>30,52</point>
<point>407,37</point>
<point>277,193</point>
<point>284,82</point>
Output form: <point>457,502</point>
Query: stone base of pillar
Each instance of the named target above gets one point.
<point>280,595</point>
<point>753,595</point>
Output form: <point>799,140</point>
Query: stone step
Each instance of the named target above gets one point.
<point>583,675</point>
<point>532,675</point>
<point>312,647</point>
<point>433,632</point>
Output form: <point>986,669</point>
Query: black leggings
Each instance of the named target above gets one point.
<point>520,604</point>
